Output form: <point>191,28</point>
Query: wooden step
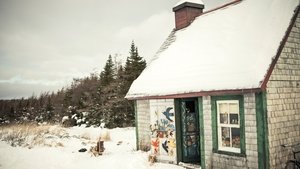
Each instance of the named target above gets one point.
<point>189,165</point>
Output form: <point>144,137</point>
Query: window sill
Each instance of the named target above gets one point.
<point>230,153</point>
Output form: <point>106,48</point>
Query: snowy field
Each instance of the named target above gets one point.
<point>53,147</point>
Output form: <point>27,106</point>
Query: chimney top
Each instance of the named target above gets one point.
<point>188,3</point>
<point>186,11</point>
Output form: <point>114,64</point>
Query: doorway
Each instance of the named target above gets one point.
<point>188,130</point>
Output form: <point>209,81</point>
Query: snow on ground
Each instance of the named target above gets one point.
<point>67,156</point>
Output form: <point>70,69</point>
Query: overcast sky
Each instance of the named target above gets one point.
<point>44,44</point>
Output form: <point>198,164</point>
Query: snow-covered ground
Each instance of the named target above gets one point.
<point>60,151</point>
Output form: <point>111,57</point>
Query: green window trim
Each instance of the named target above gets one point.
<point>262,131</point>
<point>178,131</point>
<point>214,112</point>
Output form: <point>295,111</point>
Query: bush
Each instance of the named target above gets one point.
<point>31,135</point>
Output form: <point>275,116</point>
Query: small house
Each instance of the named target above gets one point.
<point>223,91</point>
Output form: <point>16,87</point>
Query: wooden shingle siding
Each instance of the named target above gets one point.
<point>143,122</point>
<point>283,100</point>
<point>207,131</point>
<point>250,131</point>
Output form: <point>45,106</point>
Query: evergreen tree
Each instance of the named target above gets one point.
<point>108,92</point>
<point>101,95</point>
<point>108,74</point>
<point>135,64</point>
<point>133,68</point>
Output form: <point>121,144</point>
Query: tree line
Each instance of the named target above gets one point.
<point>92,100</point>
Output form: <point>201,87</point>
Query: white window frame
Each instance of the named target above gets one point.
<point>220,125</point>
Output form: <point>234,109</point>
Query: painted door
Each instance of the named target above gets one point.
<point>190,131</point>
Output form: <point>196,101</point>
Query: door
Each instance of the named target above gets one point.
<point>190,134</point>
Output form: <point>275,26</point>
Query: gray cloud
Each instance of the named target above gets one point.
<point>45,43</point>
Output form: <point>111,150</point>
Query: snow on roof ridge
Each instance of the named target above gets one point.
<point>222,6</point>
<point>194,62</point>
<point>170,39</point>
<point>191,1</point>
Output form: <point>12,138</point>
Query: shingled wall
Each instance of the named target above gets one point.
<point>283,100</point>
<point>143,122</point>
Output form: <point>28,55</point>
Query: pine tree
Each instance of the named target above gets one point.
<point>134,64</point>
<point>108,93</point>
<point>102,95</point>
<point>133,68</point>
<point>107,75</point>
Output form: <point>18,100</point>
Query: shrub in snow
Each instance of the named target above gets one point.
<point>68,122</point>
<point>31,135</point>
<point>27,136</point>
<point>64,119</point>
<point>79,121</point>
<point>79,118</point>
<point>85,114</point>
<point>74,116</point>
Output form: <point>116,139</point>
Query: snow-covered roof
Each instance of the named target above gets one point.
<point>191,1</point>
<point>226,49</point>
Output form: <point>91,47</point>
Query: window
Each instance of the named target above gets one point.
<point>228,125</point>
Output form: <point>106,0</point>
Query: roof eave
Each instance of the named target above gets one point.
<point>197,94</point>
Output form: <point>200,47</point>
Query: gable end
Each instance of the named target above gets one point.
<point>280,49</point>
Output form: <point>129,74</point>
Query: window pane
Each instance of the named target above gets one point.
<point>223,108</point>
<point>234,118</point>
<point>233,108</point>
<point>235,135</point>
<point>224,118</point>
<point>225,136</point>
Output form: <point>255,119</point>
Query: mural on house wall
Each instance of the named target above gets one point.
<point>163,140</point>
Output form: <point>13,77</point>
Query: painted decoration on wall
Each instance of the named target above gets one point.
<point>169,144</point>
<point>162,127</point>
<point>155,145</point>
<point>168,114</point>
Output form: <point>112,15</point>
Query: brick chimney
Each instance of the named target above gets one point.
<point>186,11</point>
